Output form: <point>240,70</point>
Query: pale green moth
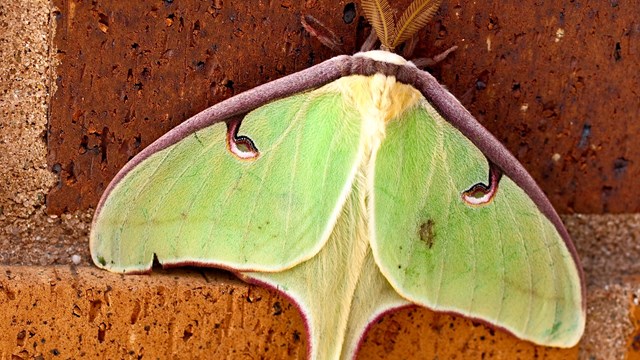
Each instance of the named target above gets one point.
<point>357,186</point>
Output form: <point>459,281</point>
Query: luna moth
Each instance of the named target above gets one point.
<point>355,187</point>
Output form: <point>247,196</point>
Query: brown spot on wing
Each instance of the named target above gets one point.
<point>427,232</point>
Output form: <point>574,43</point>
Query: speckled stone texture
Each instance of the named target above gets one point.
<point>24,98</point>
<point>555,82</point>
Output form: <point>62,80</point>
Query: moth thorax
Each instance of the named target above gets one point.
<point>387,99</point>
<point>374,111</point>
<point>392,98</point>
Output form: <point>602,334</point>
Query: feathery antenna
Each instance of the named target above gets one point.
<point>380,16</point>
<point>417,16</point>
<point>392,34</point>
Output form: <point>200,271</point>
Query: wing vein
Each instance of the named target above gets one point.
<point>323,185</point>
<point>496,219</point>
<point>231,192</point>
<point>547,243</point>
<point>425,189</point>
<point>291,182</point>
<point>527,262</point>
<point>267,167</point>
<point>441,145</point>
<point>474,258</point>
<point>165,193</point>
<point>298,117</point>
<point>136,196</point>
<point>190,207</point>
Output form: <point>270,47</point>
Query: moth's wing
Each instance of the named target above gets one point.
<point>505,262</point>
<point>194,202</point>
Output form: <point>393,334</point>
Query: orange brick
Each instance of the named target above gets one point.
<point>88,312</point>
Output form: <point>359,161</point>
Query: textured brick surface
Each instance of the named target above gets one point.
<point>556,83</point>
<point>553,81</point>
<point>83,311</point>
<point>74,312</point>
